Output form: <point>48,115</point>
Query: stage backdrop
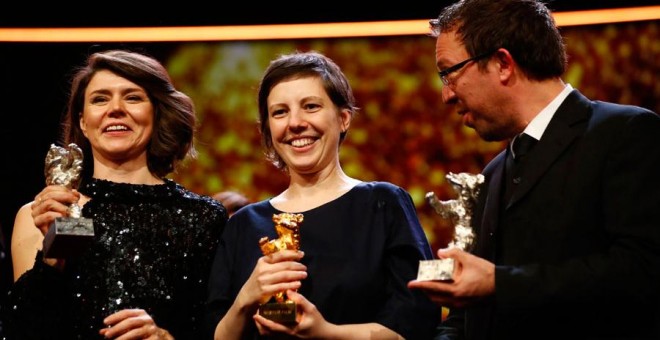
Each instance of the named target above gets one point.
<point>403,132</point>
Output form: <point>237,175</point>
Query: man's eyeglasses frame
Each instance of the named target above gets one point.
<point>451,69</point>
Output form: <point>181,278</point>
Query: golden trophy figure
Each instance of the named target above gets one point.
<point>459,211</point>
<point>66,236</point>
<point>278,307</point>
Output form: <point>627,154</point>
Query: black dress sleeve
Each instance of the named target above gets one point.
<point>38,306</point>
<point>409,312</point>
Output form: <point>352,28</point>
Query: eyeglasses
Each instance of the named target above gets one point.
<point>451,69</point>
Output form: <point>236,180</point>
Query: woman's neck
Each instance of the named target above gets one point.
<point>307,192</point>
<point>140,175</point>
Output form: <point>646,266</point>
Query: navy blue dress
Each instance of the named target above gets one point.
<point>361,250</point>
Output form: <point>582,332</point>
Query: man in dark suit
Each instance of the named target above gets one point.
<point>567,230</point>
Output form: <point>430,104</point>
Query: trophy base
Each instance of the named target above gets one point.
<point>285,313</point>
<point>68,237</point>
<point>436,270</point>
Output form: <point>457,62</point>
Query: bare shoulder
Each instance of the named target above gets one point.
<point>25,233</point>
<point>23,219</point>
<point>26,240</point>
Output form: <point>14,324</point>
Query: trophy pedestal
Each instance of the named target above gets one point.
<point>436,270</point>
<point>281,312</point>
<point>67,237</point>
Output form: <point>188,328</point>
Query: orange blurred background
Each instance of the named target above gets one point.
<point>403,133</point>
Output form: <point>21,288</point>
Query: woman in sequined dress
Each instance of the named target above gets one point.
<point>144,275</point>
<point>360,242</point>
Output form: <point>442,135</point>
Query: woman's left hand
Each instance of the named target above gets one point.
<point>311,323</point>
<point>133,324</point>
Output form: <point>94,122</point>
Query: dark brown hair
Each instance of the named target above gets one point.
<point>525,28</point>
<point>174,113</point>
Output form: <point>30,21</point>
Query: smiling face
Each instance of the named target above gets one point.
<point>117,118</point>
<point>305,125</point>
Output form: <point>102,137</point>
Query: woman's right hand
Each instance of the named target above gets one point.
<point>52,202</point>
<point>272,274</point>
<point>31,225</point>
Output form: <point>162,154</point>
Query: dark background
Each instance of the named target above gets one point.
<point>34,76</point>
<point>198,13</point>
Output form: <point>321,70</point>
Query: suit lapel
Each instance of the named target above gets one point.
<point>565,126</point>
<point>489,204</point>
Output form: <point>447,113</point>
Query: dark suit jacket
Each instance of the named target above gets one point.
<point>577,248</point>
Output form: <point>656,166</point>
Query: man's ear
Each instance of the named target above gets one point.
<point>505,63</point>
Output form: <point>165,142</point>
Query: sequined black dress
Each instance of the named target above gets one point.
<point>153,248</point>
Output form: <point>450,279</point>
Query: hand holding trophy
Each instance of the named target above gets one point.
<point>67,236</point>
<point>278,307</point>
<point>459,211</point>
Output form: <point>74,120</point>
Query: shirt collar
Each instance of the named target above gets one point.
<point>537,126</point>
